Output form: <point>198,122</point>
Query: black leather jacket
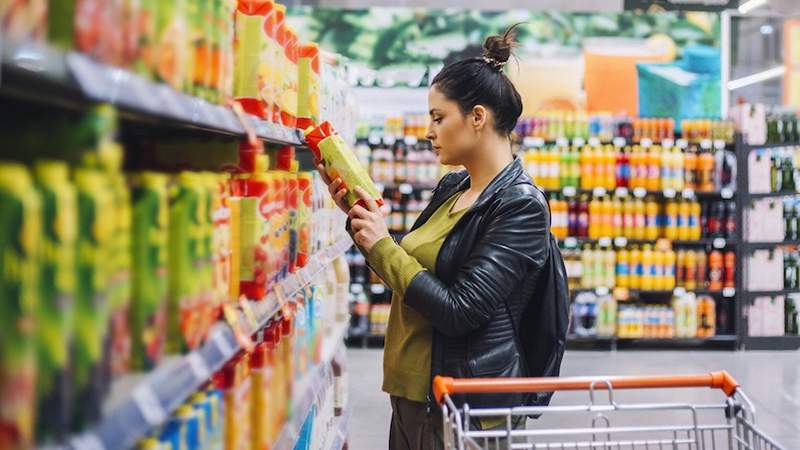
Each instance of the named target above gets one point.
<point>486,272</point>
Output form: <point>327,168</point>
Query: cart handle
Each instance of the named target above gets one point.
<point>447,386</point>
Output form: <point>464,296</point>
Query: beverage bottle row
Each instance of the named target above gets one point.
<point>698,269</point>
<point>594,315</point>
<point>655,129</point>
<point>695,316</point>
<point>404,165</point>
<point>697,130</point>
<point>641,218</point>
<point>783,127</point>
<point>784,165</point>
<point>638,268</point>
<point>791,218</point>
<point>651,168</point>
<point>791,270</point>
<point>645,322</point>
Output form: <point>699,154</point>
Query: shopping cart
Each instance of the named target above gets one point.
<point>729,425</point>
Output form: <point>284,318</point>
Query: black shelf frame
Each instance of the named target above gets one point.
<point>748,147</point>
<point>702,242</point>
<point>771,342</point>
<point>768,245</point>
<point>700,195</point>
<point>612,343</point>
<point>760,195</point>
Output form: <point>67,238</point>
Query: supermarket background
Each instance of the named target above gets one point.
<point>174,275</point>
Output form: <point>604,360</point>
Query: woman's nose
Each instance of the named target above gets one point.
<point>430,135</point>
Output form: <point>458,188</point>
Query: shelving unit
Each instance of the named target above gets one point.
<point>641,193</point>
<point>41,74</point>
<point>745,296</point>
<point>721,342</point>
<point>342,422</point>
<point>146,401</point>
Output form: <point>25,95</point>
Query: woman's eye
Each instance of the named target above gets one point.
<point>437,120</point>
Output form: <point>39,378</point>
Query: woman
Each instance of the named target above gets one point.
<point>462,276</point>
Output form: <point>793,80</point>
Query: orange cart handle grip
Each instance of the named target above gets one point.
<point>448,386</point>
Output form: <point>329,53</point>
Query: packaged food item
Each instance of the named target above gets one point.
<point>56,305</point>
<point>234,382</point>
<point>261,375</point>
<point>25,20</point>
<point>308,85</point>
<point>250,46</point>
<point>92,306</point>
<point>288,91</point>
<point>20,229</point>
<point>280,62</point>
<point>170,50</point>
<point>220,241</point>
<point>184,259</point>
<point>339,160</point>
<point>149,248</point>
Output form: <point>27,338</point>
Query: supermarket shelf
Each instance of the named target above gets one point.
<point>771,342</point>
<point>639,293</point>
<point>531,142</point>
<point>719,243</point>
<point>767,245</point>
<point>407,187</point>
<point>766,146</point>
<point>613,343</point>
<point>39,73</point>
<point>761,195</point>
<point>753,294</point>
<point>146,401</point>
<point>639,193</point>
<point>342,423</point>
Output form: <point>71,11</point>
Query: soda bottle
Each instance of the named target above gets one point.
<point>628,223</point>
<point>669,269</point>
<point>623,268</point>
<point>647,281</point>
<point>730,269</point>
<point>671,220</point>
<point>690,161</point>
<point>636,268</point>
<point>680,268</point>
<point>639,220</point>
<point>716,273</point>
<point>617,220</point>
<point>690,270</point>
<point>694,220</point>
<point>651,219</point>
<point>702,270</point>
<point>606,218</point>
<point>730,221</point>
<point>653,181</point>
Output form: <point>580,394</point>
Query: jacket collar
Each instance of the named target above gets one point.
<point>502,180</point>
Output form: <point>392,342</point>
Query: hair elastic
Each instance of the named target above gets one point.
<point>497,65</point>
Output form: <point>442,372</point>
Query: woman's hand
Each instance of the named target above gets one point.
<point>336,187</point>
<point>368,224</point>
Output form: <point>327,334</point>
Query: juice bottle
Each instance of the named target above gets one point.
<point>610,161</point>
<point>651,219</point>
<point>609,269</point>
<point>637,268</point>
<point>564,158</point>
<point>621,168</point>
<point>730,269</point>
<point>694,220</point>
<point>55,308</point>
<point>149,244</point>
<point>95,228</point>
<point>583,217</point>
<point>638,168</point>
<point>690,161</point>
<point>572,218</point>
<point>706,171</point>
<point>623,268</point>
<point>639,219</point>
<point>677,169</point>
<point>659,258</point>
<point>574,168</point>
<point>683,220</point>
<point>595,219</point>
<point>667,181</point>
<point>587,272</point>
<point>235,383</point>
<point>690,270</point>
<point>304,218</point>
<point>21,223</point>
<point>680,268</point>
<point>617,221</point>
<point>599,267</point>
<point>671,220</point>
<point>716,272</point>
<point>628,223</point>
<point>669,269</point>
<point>587,167</point>
<point>702,270</point>
<point>260,378</point>
<point>606,218</point>
<point>653,181</point>
<point>647,281</point>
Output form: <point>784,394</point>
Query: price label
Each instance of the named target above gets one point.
<point>726,193</point>
<point>706,144</point>
<point>198,366</point>
<point>528,142</point>
<point>599,192</point>
<point>646,143</point>
<point>374,139</point>
<point>87,441</point>
<point>719,144</point>
<point>669,193</point>
<point>389,139</point>
<point>679,292</point>
<point>719,243</point>
<point>405,188</point>
<point>578,142</point>
<point>728,292</point>
<point>562,142</point>
<point>620,241</point>
<point>668,143</point>
<point>570,242</point>
<point>621,293</point>
<point>223,345</point>
<point>569,191</point>
<point>377,288</point>
<point>682,143</point>
<point>594,142</point>
<point>148,404</point>
<point>687,193</point>
<point>411,140</point>
<point>604,242</point>
<point>621,192</point>
<point>601,291</point>
<point>640,192</point>
<point>619,142</point>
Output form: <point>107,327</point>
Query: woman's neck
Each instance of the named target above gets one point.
<point>491,159</point>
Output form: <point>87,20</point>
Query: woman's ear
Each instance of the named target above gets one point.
<point>479,117</point>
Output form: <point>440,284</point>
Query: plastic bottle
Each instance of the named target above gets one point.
<point>690,161</point>
<point>716,270</point>
<point>669,269</point>
<point>671,220</point>
<point>636,268</point>
<point>583,217</point>
<point>690,270</point>
<point>684,211</point>
<point>702,269</point>
<point>599,267</point>
<point>639,219</point>
<point>651,219</point>
<point>609,268</point>
<point>680,268</point>
<point>623,269</point>
<point>595,218</point>
<point>587,275</point>
<point>617,220</point>
<point>667,180</point>
<point>606,218</point>
<point>653,181</point>
<point>695,231</point>
<point>730,269</point>
<point>706,172</point>
<point>647,282</point>
<point>588,167</point>
<point>610,161</point>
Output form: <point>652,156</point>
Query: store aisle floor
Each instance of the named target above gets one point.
<point>771,379</point>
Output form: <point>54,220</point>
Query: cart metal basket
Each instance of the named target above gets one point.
<point>637,425</point>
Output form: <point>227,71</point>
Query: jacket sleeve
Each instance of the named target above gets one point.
<point>514,239</point>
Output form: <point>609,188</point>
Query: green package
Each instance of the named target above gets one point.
<point>186,211</point>
<point>95,230</point>
<point>149,278</point>
<point>54,315</point>
<point>341,162</point>
<point>20,229</point>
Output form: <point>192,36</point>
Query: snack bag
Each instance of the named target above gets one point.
<point>339,160</point>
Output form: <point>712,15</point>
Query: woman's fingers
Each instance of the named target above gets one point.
<point>339,195</point>
<point>323,174</point>
<point>358,224</point>
<point>368,200</point>
<point>359,212</point>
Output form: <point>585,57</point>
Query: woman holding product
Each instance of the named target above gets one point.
<point>469,266</point>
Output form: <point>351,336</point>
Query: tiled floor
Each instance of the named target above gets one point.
<point>771,380</point>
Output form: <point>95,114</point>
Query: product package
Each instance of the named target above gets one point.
<point>339,160</point>
<point>308,86</point>
<point>250,47</point>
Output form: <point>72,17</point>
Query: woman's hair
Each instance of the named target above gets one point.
<point>481,81</point>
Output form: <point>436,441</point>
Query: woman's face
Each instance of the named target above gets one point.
<point>450,131</point>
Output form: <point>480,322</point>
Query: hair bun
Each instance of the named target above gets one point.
<point>498,48</point>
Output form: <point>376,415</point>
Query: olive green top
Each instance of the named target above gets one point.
<point>407,355</point>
